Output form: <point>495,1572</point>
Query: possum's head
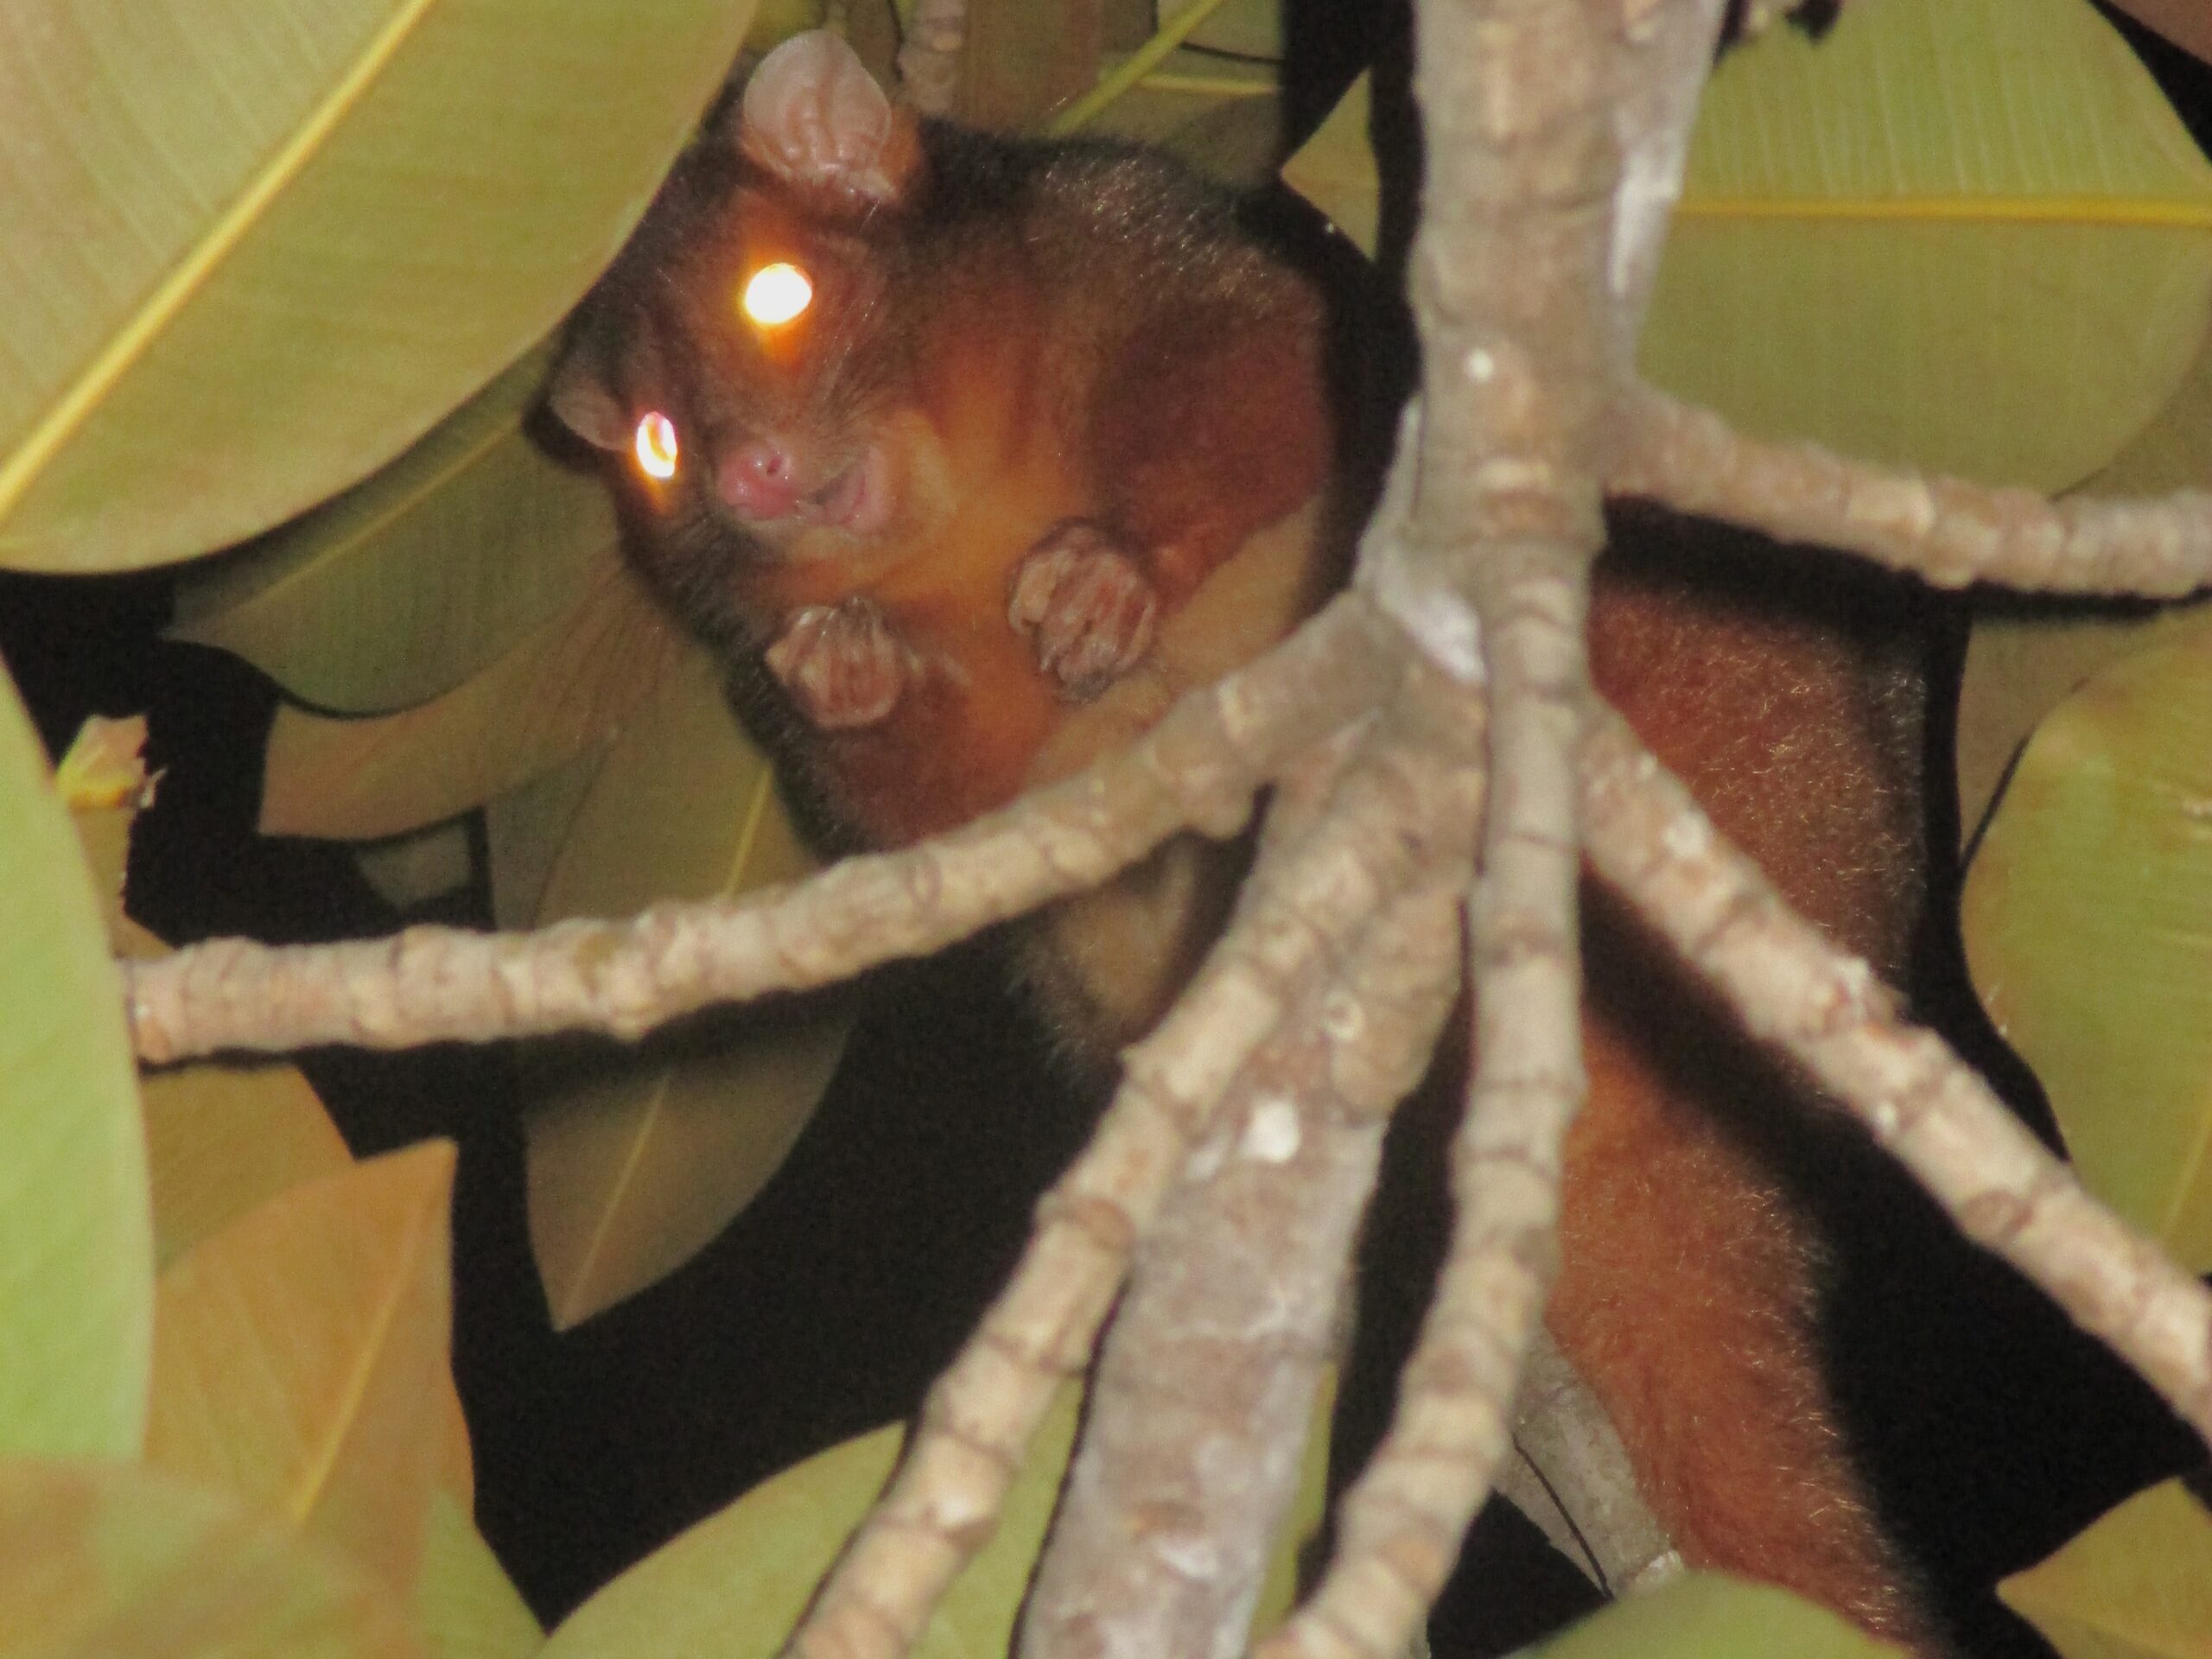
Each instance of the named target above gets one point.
<point>750,353</point>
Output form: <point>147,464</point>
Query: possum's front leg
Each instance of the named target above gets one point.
<point>1085,605</point>
<point>843,665</point>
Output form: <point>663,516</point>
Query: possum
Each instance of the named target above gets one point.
<point>967,456</point>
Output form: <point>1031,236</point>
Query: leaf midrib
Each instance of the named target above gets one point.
<point>67,413</point>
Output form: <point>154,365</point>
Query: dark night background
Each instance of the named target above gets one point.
<point>830,1306</point>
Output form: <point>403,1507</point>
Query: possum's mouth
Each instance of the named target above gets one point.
<point>857,499</point>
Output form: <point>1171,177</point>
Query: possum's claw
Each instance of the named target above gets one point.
<point>841,663</point>
<point>1085,606</point>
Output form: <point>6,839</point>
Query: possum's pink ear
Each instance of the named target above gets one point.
<point>814,116</point>
<point>582,396</point>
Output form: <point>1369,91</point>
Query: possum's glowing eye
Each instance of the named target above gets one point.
<point>656,445</point>
<point>775,294</point>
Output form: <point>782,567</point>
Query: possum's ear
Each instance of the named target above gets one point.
<point>581,394</point>
<point>813,116</point>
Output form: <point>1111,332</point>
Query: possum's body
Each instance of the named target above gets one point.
<point>1050,447</point>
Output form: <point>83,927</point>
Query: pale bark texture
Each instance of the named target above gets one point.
<point>1920,1100</point>
<point>1197,769</point>
<point>1947,532</point>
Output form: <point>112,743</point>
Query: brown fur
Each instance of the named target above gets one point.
<point>1689,1283</point>
<point>1038,333</point>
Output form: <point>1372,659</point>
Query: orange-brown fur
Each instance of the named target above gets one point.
<point>1687,1286</point>
<point>1074,355</point>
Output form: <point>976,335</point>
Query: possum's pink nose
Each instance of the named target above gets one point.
<point>758,478</point>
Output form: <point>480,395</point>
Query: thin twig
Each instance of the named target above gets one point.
<point>1943,529</point>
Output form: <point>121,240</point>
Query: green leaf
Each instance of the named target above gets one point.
<point>1709,1615</point>
<point>1969,234</point>
<point>302,1350</point>
<point>2088,917</point>
<point>1334,169</point>
<point>1966,234</point>
<point>223,1140</point>
<point>402,588</point>
<point>465,1605</point>
<point>639,1156</point>
<point>2137,1584</point>
<point>1220,116</point>
<point>524,832</point>
<point>124,1562</point>
<point>562,691</point>
<point>1309,1510</point>
<point>256,251</point>
<point>76,1234</point>
<point>1244,29</point>
<point>103,781</point>
<point>420,866</point>
<point>733,1586</point>
<point>2023,658</point>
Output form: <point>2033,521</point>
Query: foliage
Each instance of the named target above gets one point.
<point>2137,1585</point>
<point>419,189</point>
<point>1845,263</point>
<point>2086,914</point>
<point>220,1336</point>
<point>1706,1615</point>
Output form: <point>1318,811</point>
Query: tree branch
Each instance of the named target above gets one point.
<point>1305,902</point>
<point>1197,769</point>
<point>1945,530</point>
<point>1651,839</point>
<point>1201,1406</point>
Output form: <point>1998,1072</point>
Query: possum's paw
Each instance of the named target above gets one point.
<point>841,663</point>
<point>1086,608</point>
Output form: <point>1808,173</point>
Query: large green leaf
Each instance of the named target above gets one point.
<point>637,1157</point>
<point>1708,1615</point>
<point>300,1356</point>
<point>565,688</point>
<point>2137,1584</point>
<point>124,1562</point>
<point>407,584</point>
<point>2088,916</point>
<point>76,1234</point>
<point>254,250</point>
<point>1967,234</point>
